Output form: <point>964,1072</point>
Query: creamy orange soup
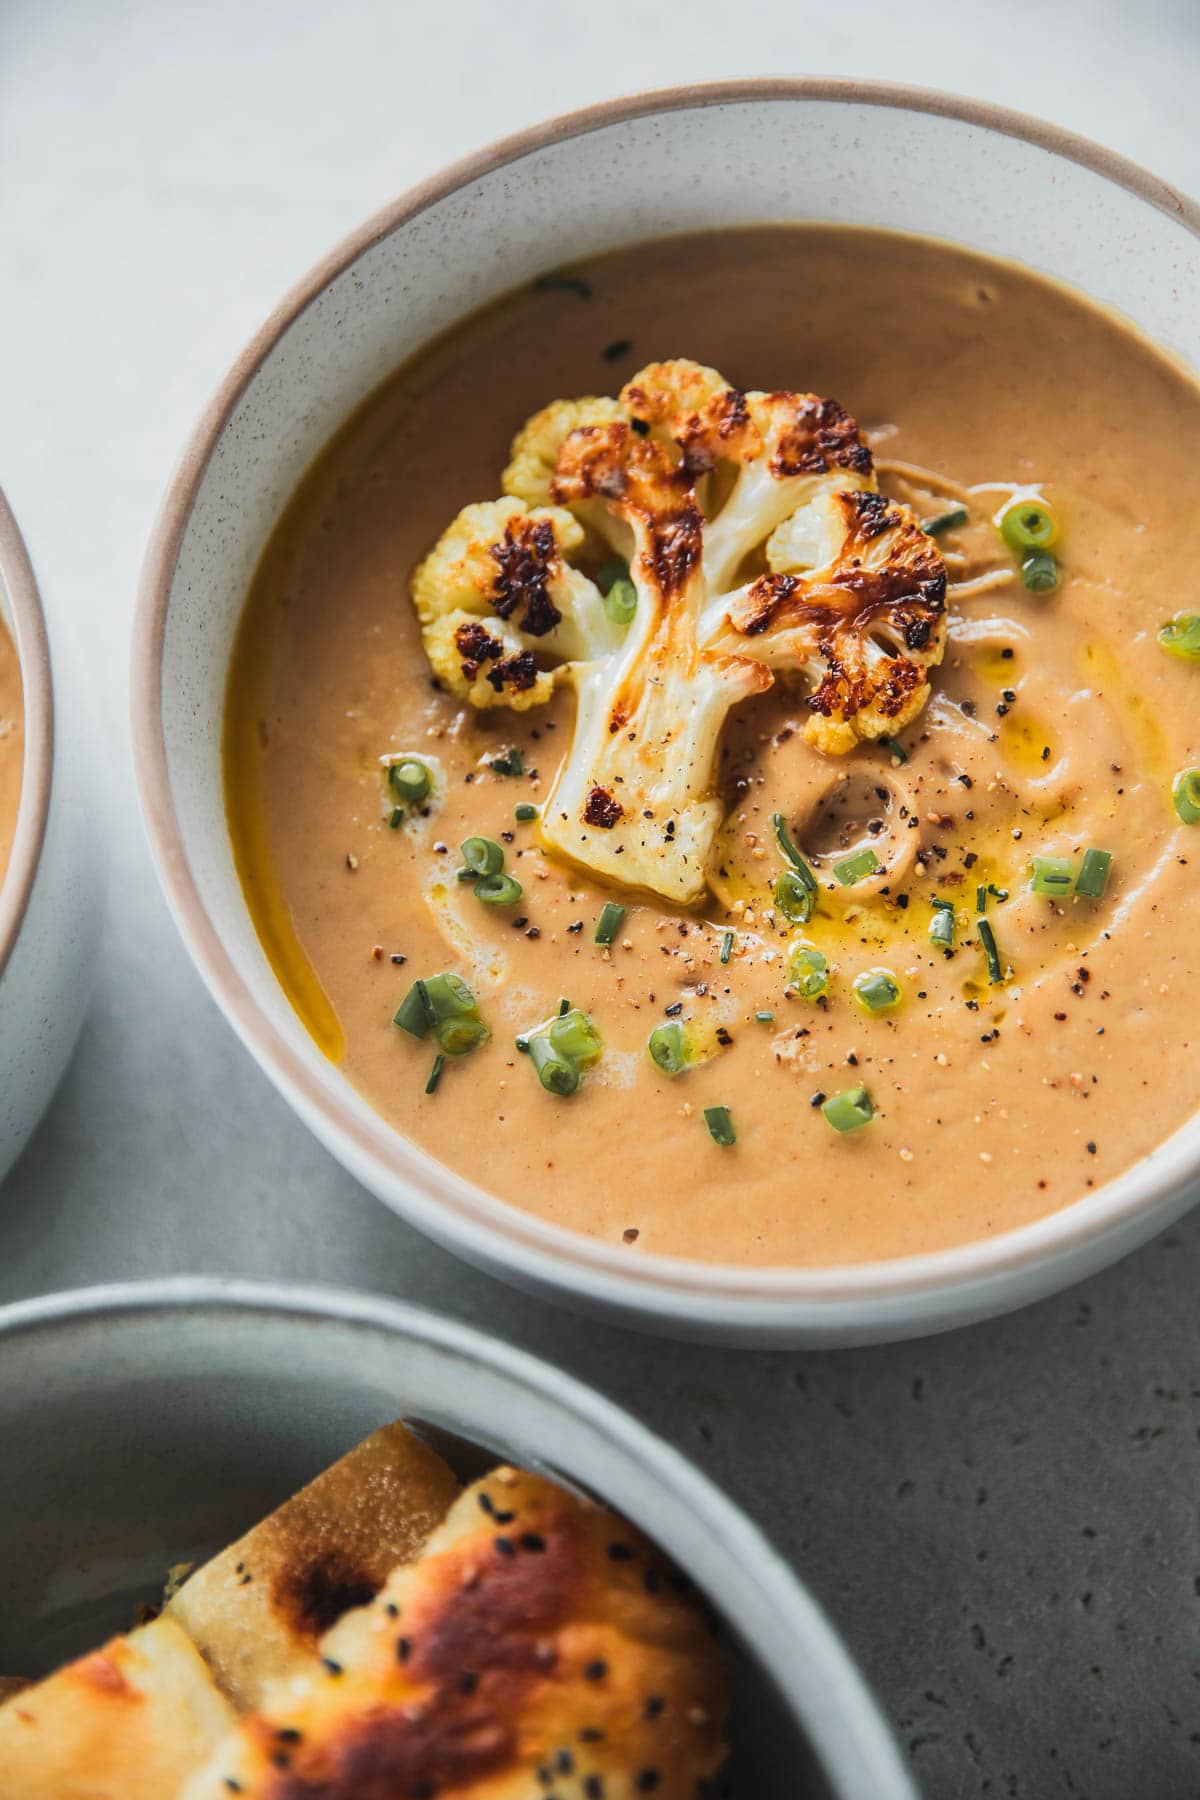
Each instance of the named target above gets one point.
<point>1019,1067</point>
<point>12,744</point>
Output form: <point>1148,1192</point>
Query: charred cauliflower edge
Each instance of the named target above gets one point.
<point>757,543</point>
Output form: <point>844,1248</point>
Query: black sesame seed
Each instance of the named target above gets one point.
<point>591,1734</point>
<point>531,1541</point>
<point>403,1649</point>
<point>485,1503</point>
<point>640,426</point>
<point>595,1671</point>
<point>618,1552</point>
<point>1091,1149</point>
<point>505,1546</point>
<point>533,932</point>
<point>654,1707</point>
<point>817,1099</point>
<point>1008,695</point>
<point>576,928</point>
<point>673,1012</point>
<point>564,1762</point>
<point>235,1787</point>
<point>616,350</point>
<point>646,1780</point>
<point>467,1683</point>
<point>330,1667</point>
<point>504,1518</point>
<point>593,1787</point>
<point>392,1610</point>
<point>287,1734</point>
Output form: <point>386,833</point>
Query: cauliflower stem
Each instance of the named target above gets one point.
<point>758,546</point>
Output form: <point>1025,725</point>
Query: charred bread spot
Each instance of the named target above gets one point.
<point>601,809</point>
<point>475,646</point>
<point>526,561</point>
<point>316,1594</point>
<point>517,672</point>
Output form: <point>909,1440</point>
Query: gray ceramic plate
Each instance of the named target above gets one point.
<point>150,1424</point>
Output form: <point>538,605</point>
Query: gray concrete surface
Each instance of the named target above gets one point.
<point>1004,1521</point>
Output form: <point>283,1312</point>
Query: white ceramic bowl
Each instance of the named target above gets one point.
<point>152,1424</point>
<point>735,154</point>
<point>50,894</point>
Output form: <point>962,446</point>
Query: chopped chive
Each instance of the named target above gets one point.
<point>981,898</point>
<point>898,752</point>
<point>459,1036</point>
<point>876,990</point>
<point>1051,875</point>
<point>941,926</point>
<point>609,922</point>
<point>783,838</point>
<point>945,521</point>
<point>999,892</point>
<point>564,1007</point>
<point>668,1048</point>
<point>435,1074</point>
<point>764,1018</point>
<point>498,890</point>
<point>465,875</point>
<point>857,867</point>
<point>1039,571</point>
<point>727,943</point>
<point>410,780</point>
<point>793,899</point>
<point>1181,636</point>
<point>849,1110</point>
<point>573,1035</point>
<point>1185,793</point>
<point>522,1044</point>
<point>524,813</point>
<point>507,763</point>
<point>720,1126</point>
<point>1028,524</point>
<point>987,938</point>
<point>397,818</point>
<point>808,971</point>
<point>1092,878</point>
<point>415,1014</point>
<point>483,856</point>
<point>557,1073</point>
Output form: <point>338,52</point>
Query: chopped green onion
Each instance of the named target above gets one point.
<point>1039,571</point>
<point>783,838</point>
<point>794,900</point>
<point>899,753</point>
<point>498,890</point>
<point>1092,878</point>
<point>987,938</point>
<point>1185,792</point>
<point>557,1073</point>
<point>981,898</point>
<point>669,1048</point>
<point>764,1018</point>
<point>448,997</point>
<point>525,813</point>
<point>609,922</point>
<point>483,856</point>
<point>435,1074</point>
<point>849,1110</point>
<point>1052,875</point>
<point>397,818</point>
<point>945,521</point>
<point>941,926</point>
<point>808,971</point>
<point>876,990</point>
<point>727,943</point>
<point>573,1035</point>
<point>1027,524</point>
<point>857,867</point>
<point>564,1007</point>
<point>458,1036</point>
<point>410,780</point>
<point>999,892</point>
<point>720,1126</point>
<point>1181,636</point>
<point>507,763</point>
<point>415,1014</point>
<point>620,602</point>
<point>465,875</point>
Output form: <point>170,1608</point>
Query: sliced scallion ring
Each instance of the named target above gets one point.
<point>793,898</point>
<point>857,867</point>
<point>1181,636</point>
<point>498,890</point>
<point>1039,571</point>
<point>483,856</point>
<point>1028,524</point>
<point>557,1073</point>
<point>850,1110</point>
<point>808,971</point>
<point>459,1036</point>
<point>612,916</point>
<point>668,1048</point>
<point>876,990</point>
<point>1185,792</point>
<point>1092,878</point>
<point>410,780</point>
<point>573,1035</point>
<point>720,1126</point>
<point>1053,875</point>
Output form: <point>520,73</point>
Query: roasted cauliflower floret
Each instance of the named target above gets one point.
<point>757,545</point>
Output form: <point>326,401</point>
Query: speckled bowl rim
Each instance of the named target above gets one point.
<point>37,699</point>
<point>833,1706</point>
<point>676,1291</point>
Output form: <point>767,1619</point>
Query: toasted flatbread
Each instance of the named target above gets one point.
<point>132,1721</point>
<point>258,1610</point>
